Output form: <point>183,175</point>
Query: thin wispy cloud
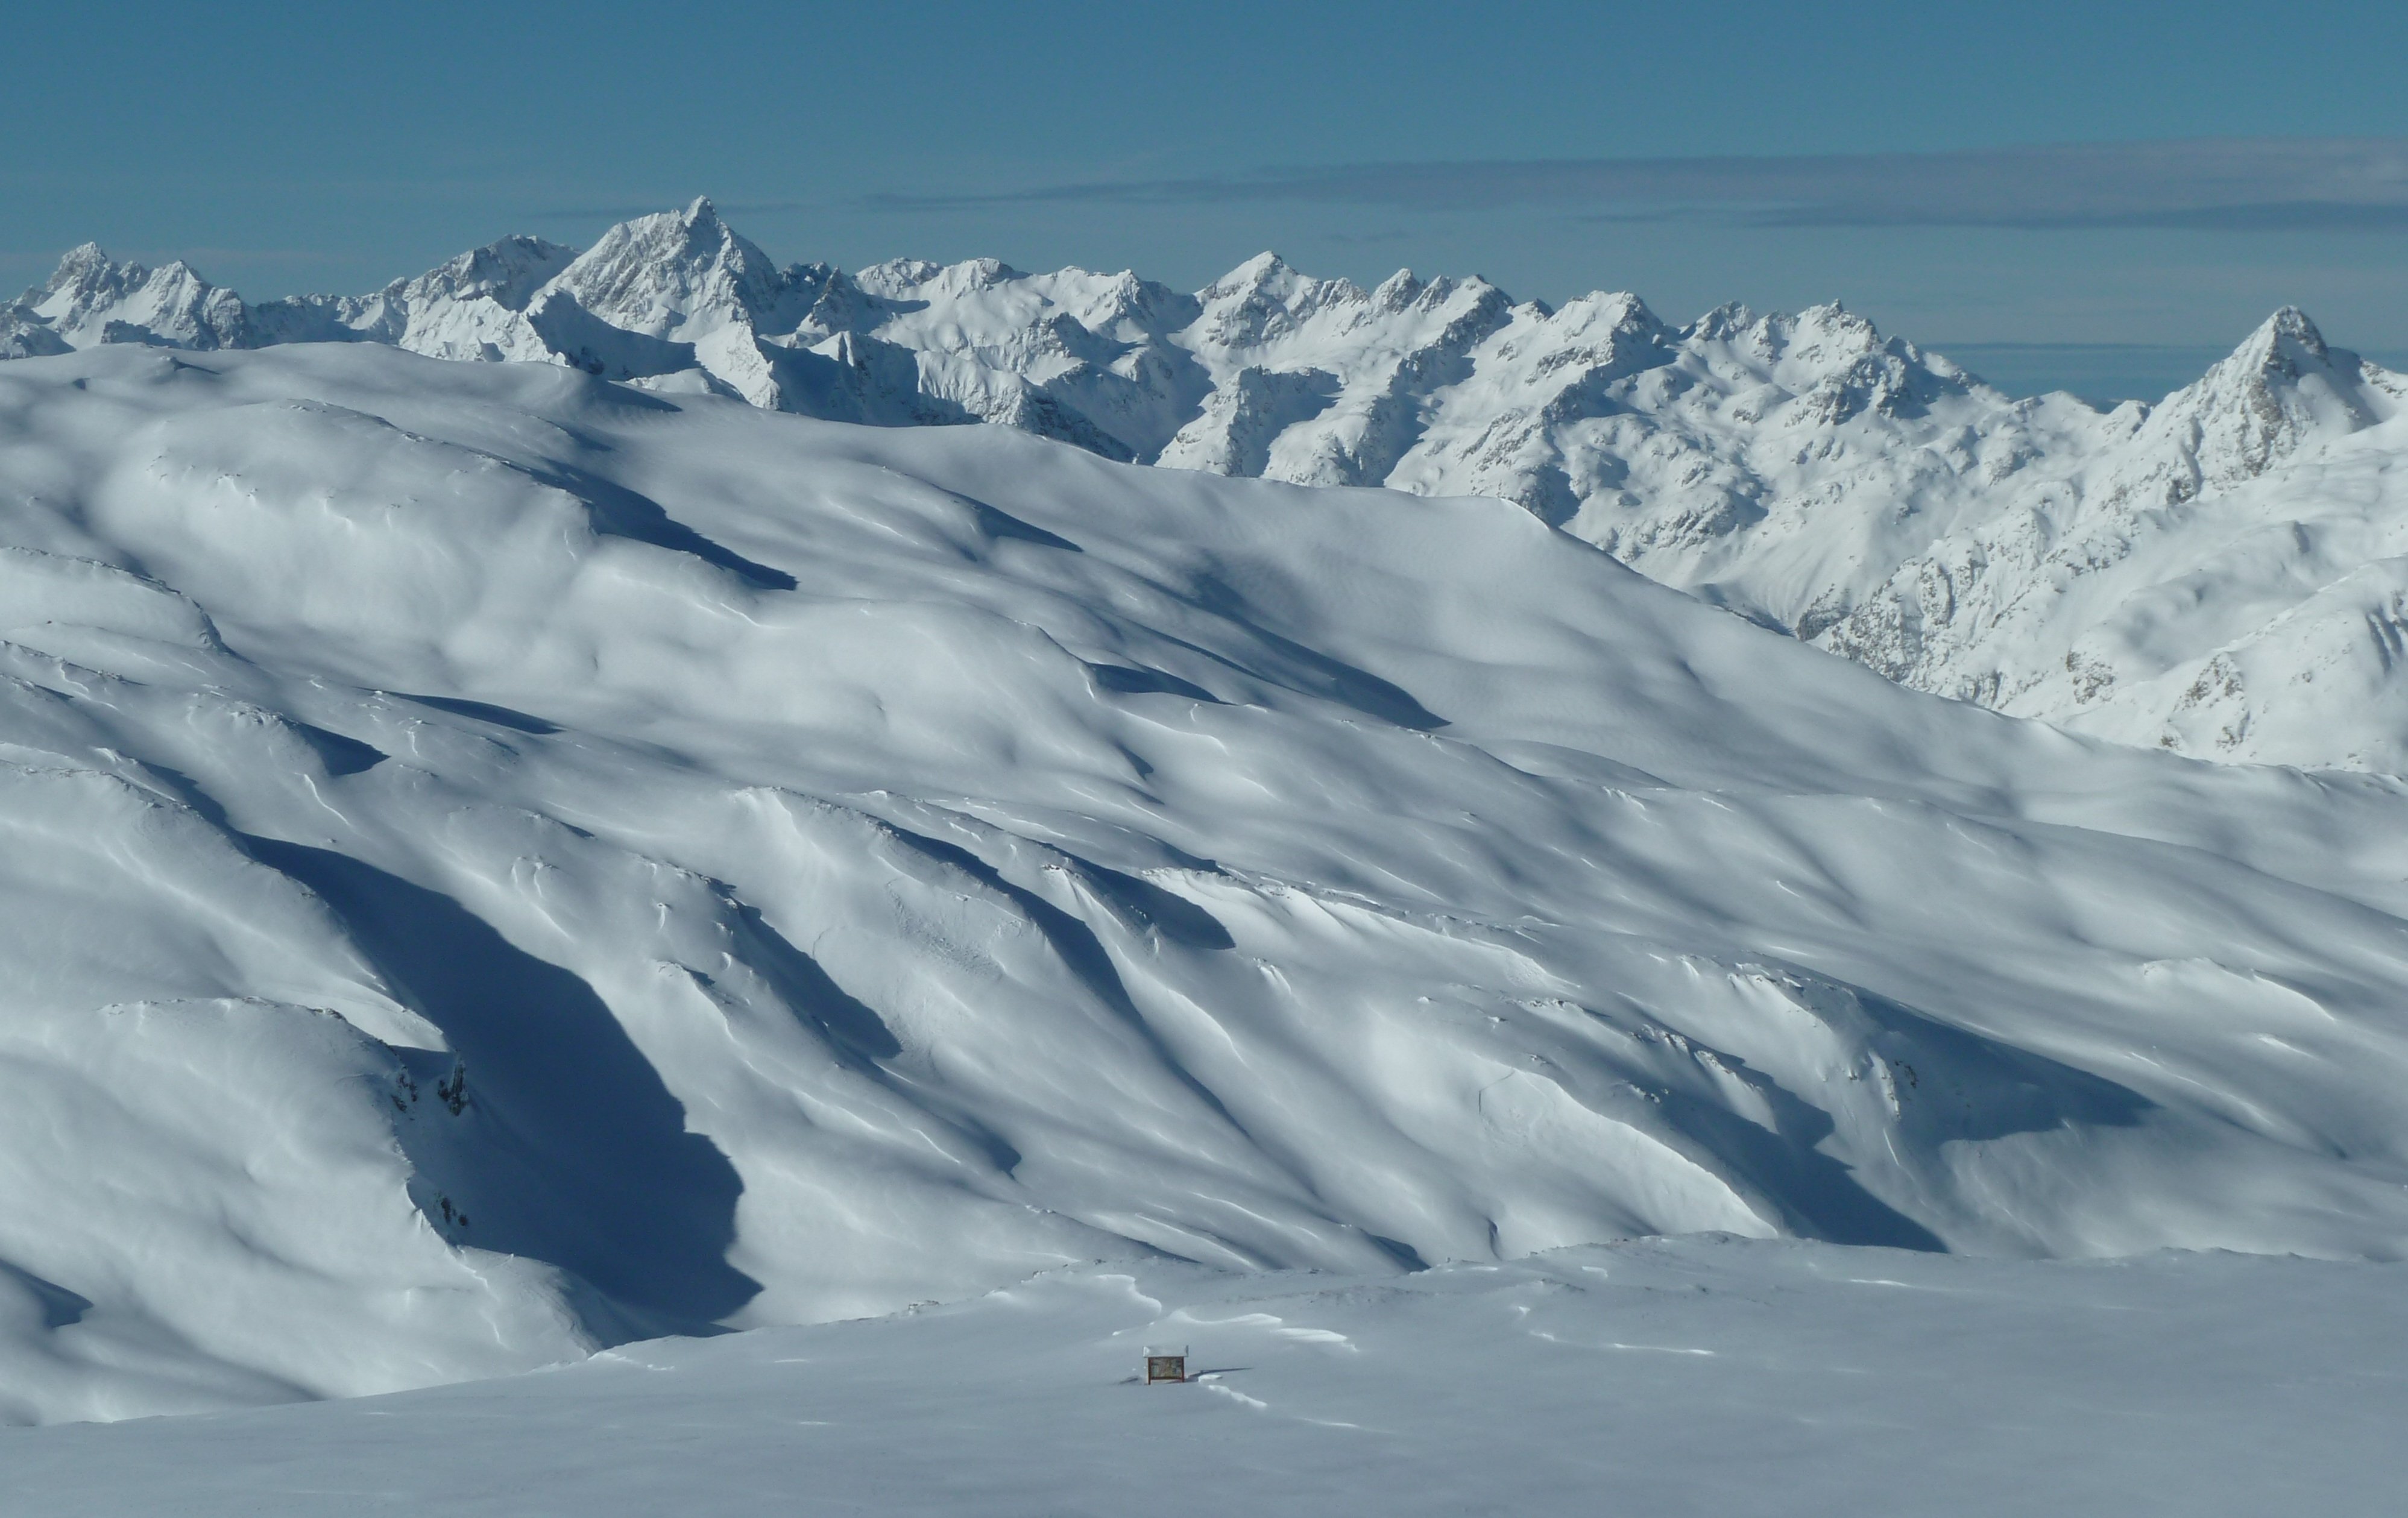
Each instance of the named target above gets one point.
<point>2353,184</point>
<point>201,258</point>
<point>630,211</point>
<point>207,254</point>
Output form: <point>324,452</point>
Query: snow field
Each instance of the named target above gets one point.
<point>1678,1376</point>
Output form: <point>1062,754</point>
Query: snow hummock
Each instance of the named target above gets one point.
<point>506,862</point>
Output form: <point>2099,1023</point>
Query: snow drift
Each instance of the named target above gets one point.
<point>502,862</point>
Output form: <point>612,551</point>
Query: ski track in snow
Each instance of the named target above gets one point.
<point>501,864</point>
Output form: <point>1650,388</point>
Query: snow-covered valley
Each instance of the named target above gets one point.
<point>503,863</point>
<point>2219,573</point>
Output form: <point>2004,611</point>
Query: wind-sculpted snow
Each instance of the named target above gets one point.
<point>501,861</point>
<point>2211,574</point>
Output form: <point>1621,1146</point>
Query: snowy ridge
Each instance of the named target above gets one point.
<point>503,863</point>
<point>2104,570</point>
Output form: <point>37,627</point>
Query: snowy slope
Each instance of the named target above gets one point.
<point>1679,1377</point>
<point>503,862</point>
<point>2213,575</point>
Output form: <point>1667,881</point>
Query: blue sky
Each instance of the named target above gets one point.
<point>2069,190</point>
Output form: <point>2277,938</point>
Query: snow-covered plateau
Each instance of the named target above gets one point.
<point>1694,1376</point>
<point>504,859</point>
<point>2224,573</point>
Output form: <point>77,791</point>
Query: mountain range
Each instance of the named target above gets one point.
<point>2217,574</point>
<point>501,861</point>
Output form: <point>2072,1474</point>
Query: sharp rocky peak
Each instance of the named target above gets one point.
<point>2284,356</point>
<point>2290,323</point>
<point>694,233</point>
<point>84,263</point>
<point>2288,346</point>
<point>2282,390</point>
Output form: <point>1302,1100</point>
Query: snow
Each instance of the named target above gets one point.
<point>1697,1375</point>
<point>503,862</point>
<point>2212,575</point>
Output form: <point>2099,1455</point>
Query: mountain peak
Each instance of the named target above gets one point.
<point>2292,321</point>
<point>1726,320</point>
<point>1622,309</point>
<point>82,257</point>
<point>2284,353</point>
<point>1397,291</point>
<point>84,267</point>
<point>2278,391</point>
<point>676,273</point>
<point>1255,273</point>
<point>2282,342</point>
<point>1834,319</point>
<point>509,272</point>
<point>691,235</point>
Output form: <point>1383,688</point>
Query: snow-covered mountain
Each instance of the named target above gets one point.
<point>2226,581</point>
<point>501,861</point>
<point>2211,575</point>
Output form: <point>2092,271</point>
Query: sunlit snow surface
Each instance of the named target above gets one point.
<point>1695,1377</point>
<point>499,863</point>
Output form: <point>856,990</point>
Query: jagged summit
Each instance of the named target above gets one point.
<point>2282,340</point>
<point>2286,349</point>
<point>680,273</point>
<point>80,263</point>
<point>92,299</point>
<point>2283,389</point>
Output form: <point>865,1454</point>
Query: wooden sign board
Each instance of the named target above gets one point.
<point>1165,1367</point>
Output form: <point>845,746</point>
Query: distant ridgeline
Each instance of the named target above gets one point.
<point>2208,575</point>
